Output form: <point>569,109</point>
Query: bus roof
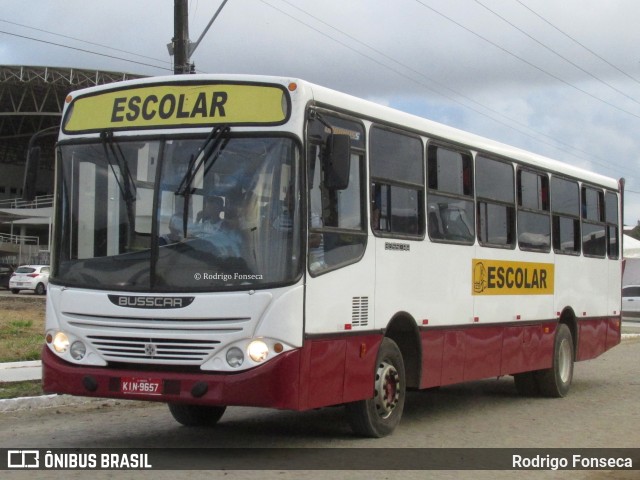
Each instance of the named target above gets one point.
<point>438,131</point>
<point>368,110</point>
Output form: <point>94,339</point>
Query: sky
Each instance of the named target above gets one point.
<point>558,78</point>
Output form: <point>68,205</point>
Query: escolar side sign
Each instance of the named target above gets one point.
<point>493,277</point>
<point>177,105</point>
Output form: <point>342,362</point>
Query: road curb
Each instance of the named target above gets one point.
<point>49,401</point>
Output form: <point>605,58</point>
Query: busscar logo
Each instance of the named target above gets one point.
<point>23,459</point>
<point>144,301</point>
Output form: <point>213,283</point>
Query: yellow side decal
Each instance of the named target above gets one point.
<point>182,105</point>
<point>495,277</point>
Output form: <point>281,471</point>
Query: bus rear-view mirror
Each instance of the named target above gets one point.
<point>337,162</point>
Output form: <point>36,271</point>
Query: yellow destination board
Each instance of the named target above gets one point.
<point>177,105</point>
<point>494,277</point>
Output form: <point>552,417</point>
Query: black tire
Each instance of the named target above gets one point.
<point>527,384</point>
<point>379,416</point>
<point>556,381</point>
<point>40,290</point>
<point>15,291</point>
<point>196,415</point>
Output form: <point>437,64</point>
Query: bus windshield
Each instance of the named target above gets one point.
<point>172,215</point>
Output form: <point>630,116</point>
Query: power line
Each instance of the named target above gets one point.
<point>80,40</point>
<point>546,47</point>
<point>579,43</point>
<point>591,158</point>
<point>531,64</point>
<point>83,50</point>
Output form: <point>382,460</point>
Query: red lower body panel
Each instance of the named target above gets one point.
<point>472,353</point>
<point>597,336</point>
<point>475,352</point>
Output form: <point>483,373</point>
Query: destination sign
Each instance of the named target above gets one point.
<point>495,277</point>
<point>177,105</point>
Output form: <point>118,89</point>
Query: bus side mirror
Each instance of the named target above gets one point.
<point>337,162</point>
<point>31,174</point>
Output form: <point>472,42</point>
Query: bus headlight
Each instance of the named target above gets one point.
<point>258,351</point>
<point>235,357</point>
<point>60,342</point>
<point>78,350</point>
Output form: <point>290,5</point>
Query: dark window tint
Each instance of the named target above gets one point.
<point>450,204</point>
<point>534,226</point>
<point>396,156</point>
<point>496,205</point>
<point>397,183</point>
<point>565,205</point>
<point>594,235</point>
<point>613,240</point>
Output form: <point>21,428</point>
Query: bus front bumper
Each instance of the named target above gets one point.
<point>275,384</point>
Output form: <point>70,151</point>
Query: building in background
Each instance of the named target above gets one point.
<point>31,100</point>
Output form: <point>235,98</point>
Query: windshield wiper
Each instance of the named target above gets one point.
<point>210,151</point>
<point>127,186</point>
<point>113,153</point>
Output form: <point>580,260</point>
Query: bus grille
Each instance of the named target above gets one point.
<point>161,341</point>
<point>128,348</point>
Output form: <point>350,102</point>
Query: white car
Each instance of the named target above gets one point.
<point>30,277</point>
<point>631,302</point>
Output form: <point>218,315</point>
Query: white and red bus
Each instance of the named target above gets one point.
<point>259,241</point>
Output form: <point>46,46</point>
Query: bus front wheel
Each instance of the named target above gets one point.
<point>196,415</point>
<point>379,416</point>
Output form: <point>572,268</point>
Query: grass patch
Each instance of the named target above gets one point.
<point>32,388</point>
<point>21,329</point>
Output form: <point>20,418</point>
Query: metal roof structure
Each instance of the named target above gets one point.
<point>32,98</point>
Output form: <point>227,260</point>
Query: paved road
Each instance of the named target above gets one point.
<point>601,411</point>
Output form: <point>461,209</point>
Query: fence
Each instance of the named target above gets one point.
<point>18,250</point>
<point>38,202</point>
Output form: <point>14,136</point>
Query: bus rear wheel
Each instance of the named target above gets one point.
<point>378,416</point>
<point>196,415</point>
<point>556,381</point>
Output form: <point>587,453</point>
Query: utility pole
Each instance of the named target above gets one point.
<point>181,62</point>
<point>181,47</point>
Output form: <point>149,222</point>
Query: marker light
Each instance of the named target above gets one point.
<point>60,342</point>
<point>258,351</point>
<point>235,357</point>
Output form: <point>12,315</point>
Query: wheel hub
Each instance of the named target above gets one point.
<point>387,389</point>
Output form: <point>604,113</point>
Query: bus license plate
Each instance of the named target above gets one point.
<point>141,386</point>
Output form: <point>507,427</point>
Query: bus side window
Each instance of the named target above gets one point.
<point>336,226</point>
<point>534,226</point>
<point>397,183</point>
<point>496,203</point>
<point>565,209</point>
<point>450,202</point>
<point>594,243</point>
<point>611,217</point>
